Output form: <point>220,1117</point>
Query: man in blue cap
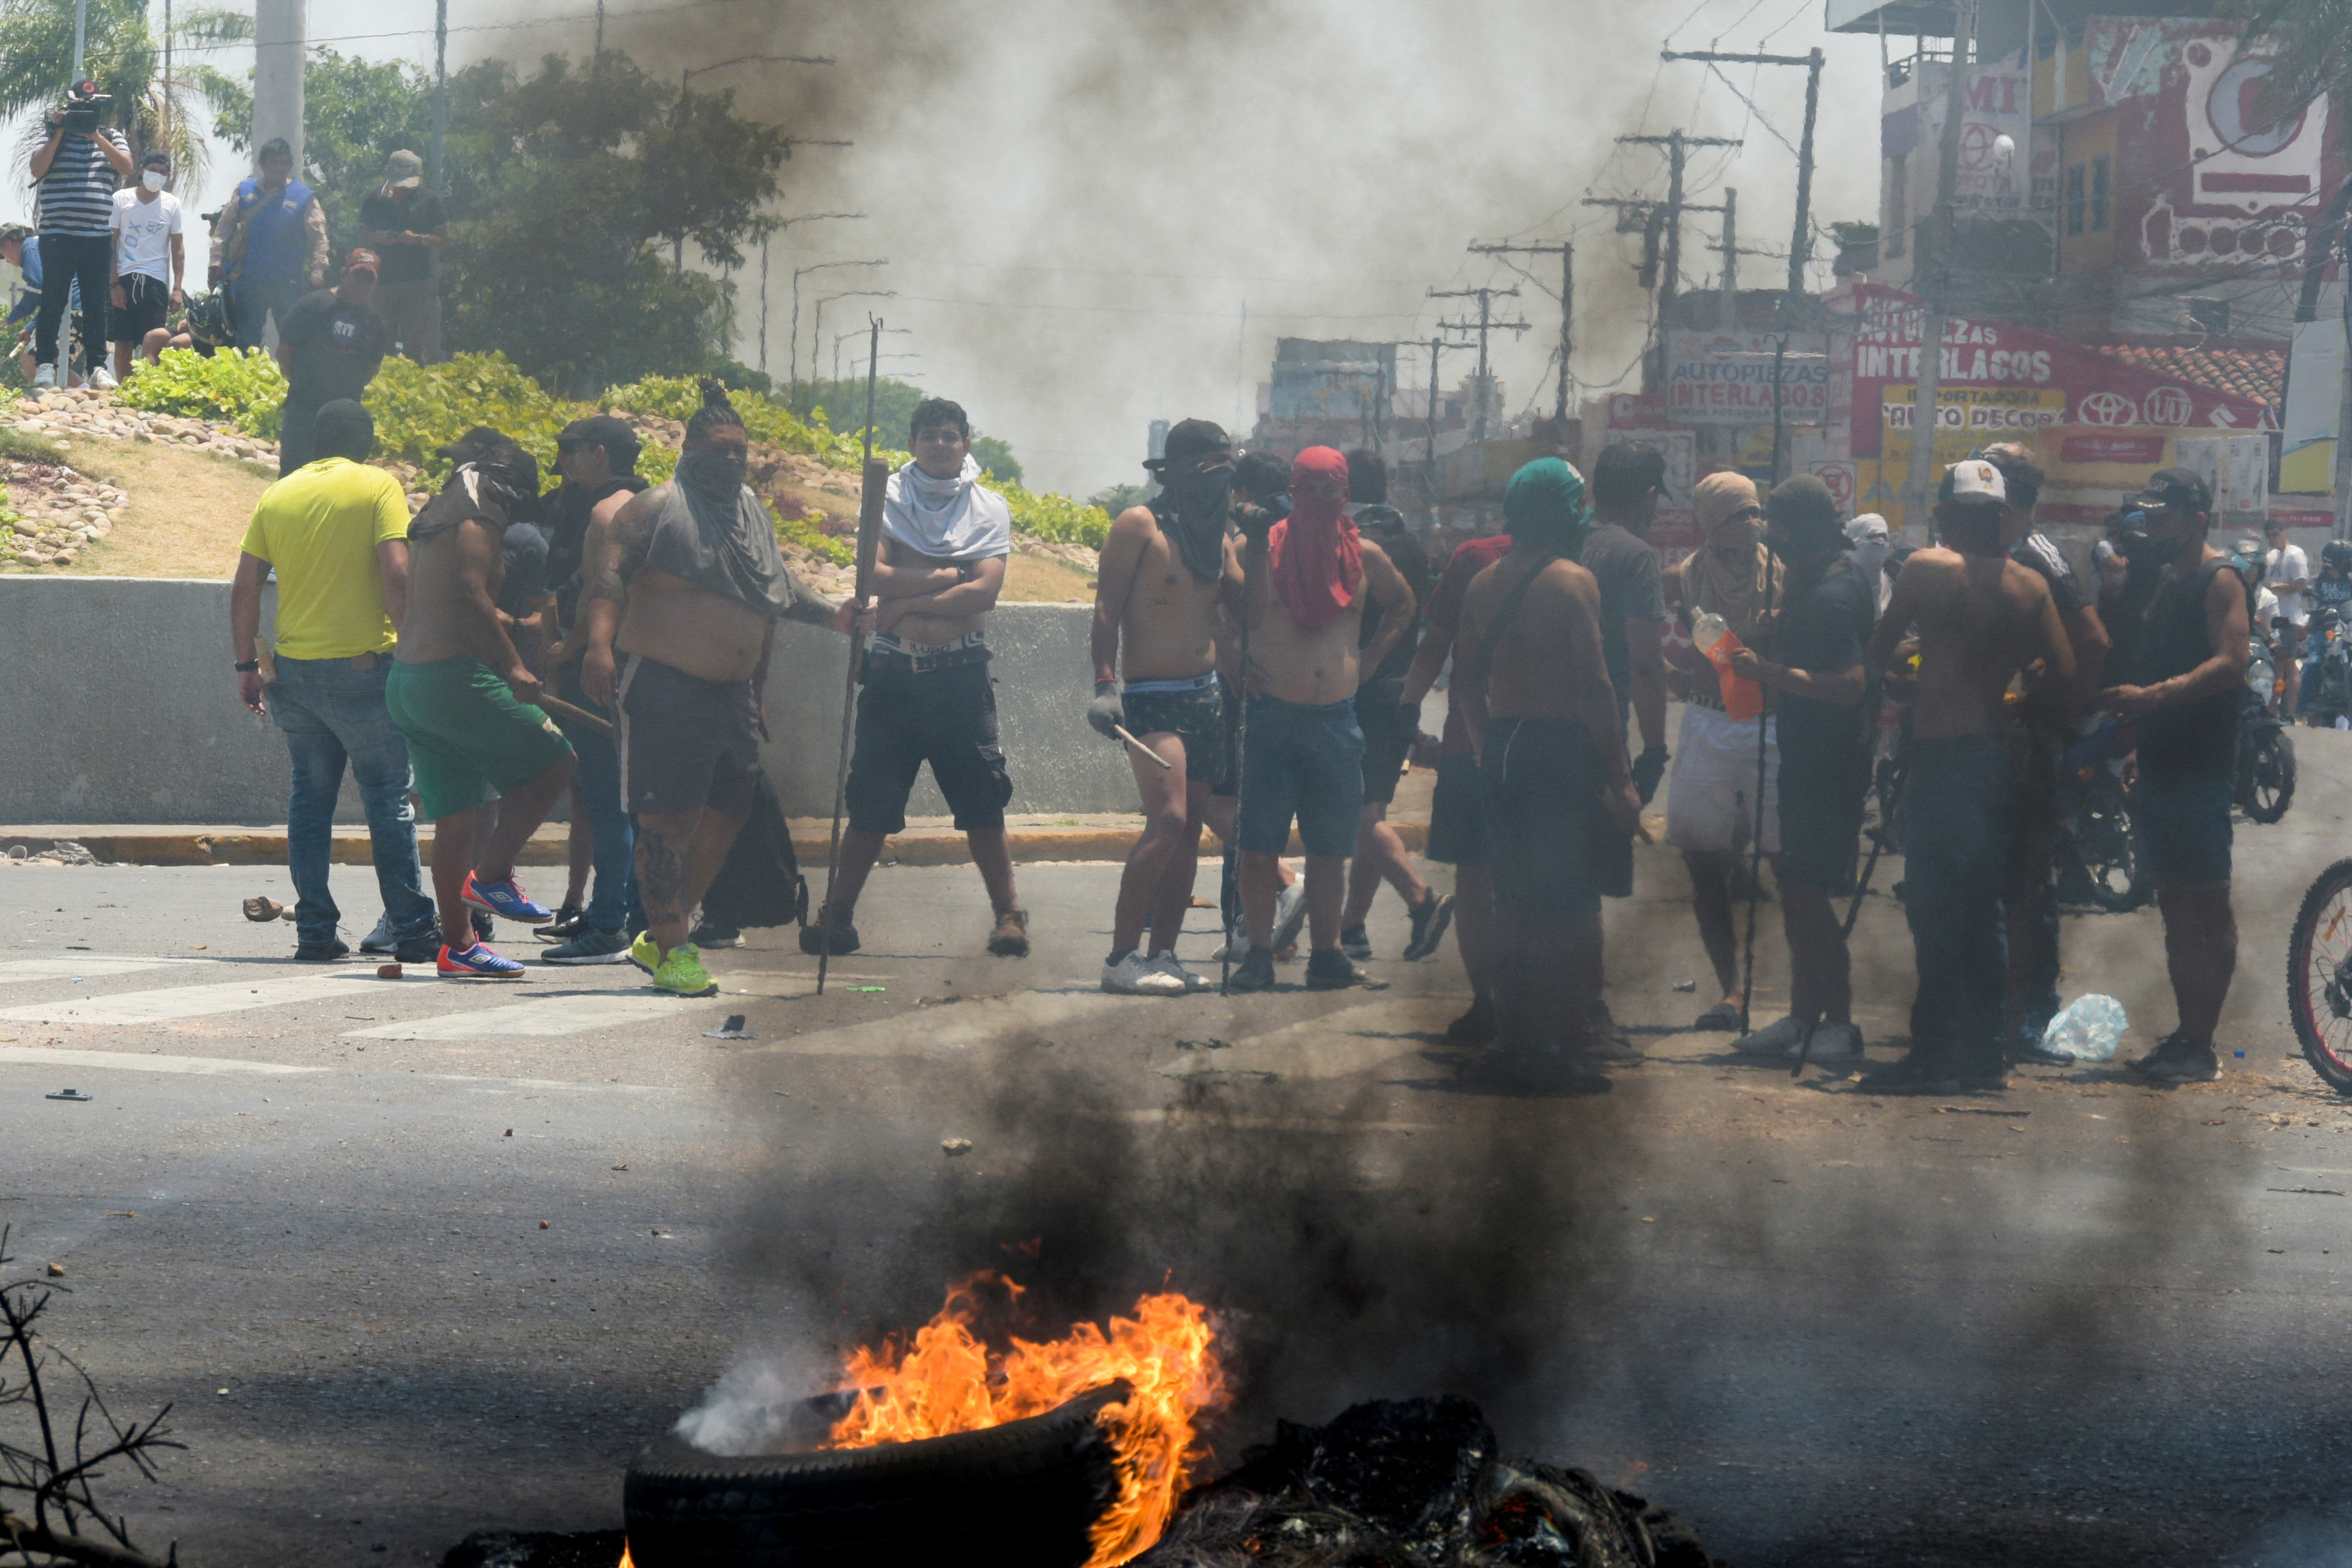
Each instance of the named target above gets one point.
<point>1562,808</point>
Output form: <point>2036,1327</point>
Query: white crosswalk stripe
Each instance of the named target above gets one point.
<point>125,1061</point>
<point>77,966</point>
<point>541,1016</point>
<point>169,1003</point>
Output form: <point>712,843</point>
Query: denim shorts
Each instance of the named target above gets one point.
<point>1307,761</point>
<point>2184,823</point>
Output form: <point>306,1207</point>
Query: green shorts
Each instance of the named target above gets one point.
<point>466,734</point>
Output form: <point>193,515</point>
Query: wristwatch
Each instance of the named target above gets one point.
<point>248,666</point>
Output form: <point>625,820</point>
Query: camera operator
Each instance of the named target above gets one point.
<point>77,170</point>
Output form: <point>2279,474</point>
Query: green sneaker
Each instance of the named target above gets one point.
<point>646,952</point>
<point>682,975</point>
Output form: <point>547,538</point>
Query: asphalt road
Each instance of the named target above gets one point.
<point>413,1259</point>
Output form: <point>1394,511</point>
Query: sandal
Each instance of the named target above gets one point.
<point>1721,1018</point>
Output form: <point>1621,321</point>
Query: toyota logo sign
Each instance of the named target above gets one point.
<point>2106,408</point>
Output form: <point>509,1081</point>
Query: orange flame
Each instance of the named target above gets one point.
<point>626,1561</point>
<point>948,1381</point>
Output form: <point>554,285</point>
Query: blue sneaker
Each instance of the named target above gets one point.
<point>477,962</point>
<point>506,900</point>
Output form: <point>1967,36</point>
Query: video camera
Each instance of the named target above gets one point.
<point>85,107</point>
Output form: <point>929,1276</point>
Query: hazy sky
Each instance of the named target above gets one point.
<point>1080,201</point>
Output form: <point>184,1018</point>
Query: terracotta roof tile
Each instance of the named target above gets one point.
<point>2257,373</point>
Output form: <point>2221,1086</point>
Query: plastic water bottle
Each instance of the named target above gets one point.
<point>2089,1030</point>
<point>1712,637</point>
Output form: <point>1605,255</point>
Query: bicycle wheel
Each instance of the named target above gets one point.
<point>2270,778</point>
<point>2108,848</point>
<point>2319,976</point>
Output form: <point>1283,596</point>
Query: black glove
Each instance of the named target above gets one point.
<point>1257,522</point>
<point>1107,713</point>
<point>1648,769</point>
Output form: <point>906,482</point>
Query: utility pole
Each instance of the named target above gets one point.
<point>1727,314</point>
<point>1801,242</point>
<point>441,85</point>
<point>1485,324</point>
<point>597,66</point>
<point>278,29</point>
<point>1566,254</point>
<point>1935,275</point>
<point>797,274</point>
<point>1677,146</point>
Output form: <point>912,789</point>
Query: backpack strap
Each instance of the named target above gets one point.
<point>1509,611</point>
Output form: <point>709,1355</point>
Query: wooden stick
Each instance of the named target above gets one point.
<point>577,715</point>
<point>877,479</point>
<point>1164,763</point>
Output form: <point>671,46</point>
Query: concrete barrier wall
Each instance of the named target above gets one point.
<point>117,705</point>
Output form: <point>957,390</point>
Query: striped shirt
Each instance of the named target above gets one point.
<point>77,193</point>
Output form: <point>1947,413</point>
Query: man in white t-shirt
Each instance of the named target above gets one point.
<point>2288,575</point>
<point>150,260</point>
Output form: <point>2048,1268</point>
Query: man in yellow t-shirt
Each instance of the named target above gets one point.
<point>336,530</point>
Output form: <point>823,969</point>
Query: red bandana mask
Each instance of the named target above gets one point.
<point>1317,561</point>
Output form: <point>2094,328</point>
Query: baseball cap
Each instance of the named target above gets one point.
<point>601,430</point>
<point>17,231</point>
<point>2181,488</point>
<point>1188,440</point>
<point>404,170</point>
<point>362,260</point>
<point>1973,479</point>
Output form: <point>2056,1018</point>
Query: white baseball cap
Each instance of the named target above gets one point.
<point>1974,479</point>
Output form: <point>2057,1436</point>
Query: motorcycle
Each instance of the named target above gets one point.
<point>2265,762</point>
<point>2327,672</point>
<point>2100,853</point>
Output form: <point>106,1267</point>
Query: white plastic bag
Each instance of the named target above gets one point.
<point>2089,1029</point>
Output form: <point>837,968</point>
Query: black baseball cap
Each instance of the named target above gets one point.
<point>2181,488</point>
<point>601,431</point>
<point>1190,438</point>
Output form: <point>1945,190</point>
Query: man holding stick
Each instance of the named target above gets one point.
<point>1983,618</point>
<point>928,697</point>
<point>1167,569</point>
<point>687,583</point>
<point>1561,808</point>
<point>1303,750</point>
<point>462,696</point>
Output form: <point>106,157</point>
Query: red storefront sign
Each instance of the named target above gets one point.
<point>2100,391</point>
<point>2116,448</point>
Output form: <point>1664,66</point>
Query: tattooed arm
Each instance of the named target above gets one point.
<point>614,550</point>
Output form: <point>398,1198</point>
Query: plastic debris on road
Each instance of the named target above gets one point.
<point>2089,1029</point>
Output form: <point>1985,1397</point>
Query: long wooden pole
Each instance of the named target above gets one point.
<point>870,540</point>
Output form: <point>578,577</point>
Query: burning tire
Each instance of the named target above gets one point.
<point>1026,1492</point>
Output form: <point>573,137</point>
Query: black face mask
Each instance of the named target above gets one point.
<point>1200,500</point>
<point>715,476</point>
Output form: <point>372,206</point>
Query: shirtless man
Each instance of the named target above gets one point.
<point>1303,752</point>
<point>462,696</point>
<point>687,582</point>
<point>928,695</point>
<point>1982,619</point>
<point>1165,570</point>
<point>1533,682</point>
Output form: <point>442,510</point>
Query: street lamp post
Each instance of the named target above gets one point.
<point>780,224</point>
<point>817,331</point>
<point>798,274</point>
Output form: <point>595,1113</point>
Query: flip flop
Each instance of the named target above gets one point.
<point>1723,1018</point>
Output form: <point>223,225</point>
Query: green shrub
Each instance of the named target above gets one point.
<point>240,388</point>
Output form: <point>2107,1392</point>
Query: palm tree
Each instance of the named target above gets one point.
<point>123,55</point>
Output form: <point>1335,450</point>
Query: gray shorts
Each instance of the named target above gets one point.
<point>686,743</point>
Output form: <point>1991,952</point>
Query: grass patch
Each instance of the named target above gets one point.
<point>187,512</point>
<point>1042,580</point>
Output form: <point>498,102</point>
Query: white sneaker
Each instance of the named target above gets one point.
<point>1136,975</point>
<point>1233,950</point>
<point>1289,915</point>
<point>102,379</point>
<point>1772,1040</point>
<point>1833,1043</point>
<point>1168,963</point>
<point>45,374</point>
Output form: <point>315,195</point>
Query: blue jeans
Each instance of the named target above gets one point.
<point>1962,813</point>
<point>255,303</point>
<point>332,712</point>
<point>613,833</point>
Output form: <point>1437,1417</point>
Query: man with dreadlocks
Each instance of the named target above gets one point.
<point>462,696</point>
<point>1562,809</point>
<point>684,580</point>
<point>1165,570</point>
